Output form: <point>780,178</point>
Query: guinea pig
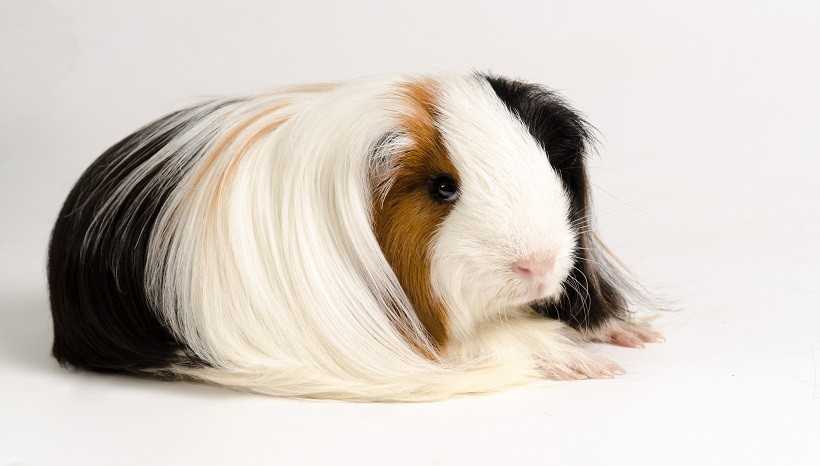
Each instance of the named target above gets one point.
<point>392,238</point>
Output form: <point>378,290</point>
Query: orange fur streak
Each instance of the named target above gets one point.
<point>249,127</point>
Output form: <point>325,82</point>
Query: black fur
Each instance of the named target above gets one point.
<point>102,317</point>
<point>596,290</point>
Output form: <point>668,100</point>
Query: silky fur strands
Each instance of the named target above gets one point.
<point>291,244</point>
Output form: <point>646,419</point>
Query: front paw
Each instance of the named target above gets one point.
<point>570,362</point>
<point>623,333</point>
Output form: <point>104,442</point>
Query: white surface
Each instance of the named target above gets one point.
<point>707,185</point>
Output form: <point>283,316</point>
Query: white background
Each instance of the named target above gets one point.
<point>706,184</point>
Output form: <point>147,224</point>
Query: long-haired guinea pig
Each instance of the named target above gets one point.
<point>400,238</point>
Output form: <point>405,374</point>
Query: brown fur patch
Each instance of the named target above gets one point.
<point>405,219</point>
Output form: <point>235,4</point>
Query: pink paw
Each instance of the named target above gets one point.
<point>628,334</point>
<point>577,364</point>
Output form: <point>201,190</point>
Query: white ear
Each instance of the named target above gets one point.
<point>384,167</point>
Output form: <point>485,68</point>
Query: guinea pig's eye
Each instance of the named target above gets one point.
<point>444,189</point>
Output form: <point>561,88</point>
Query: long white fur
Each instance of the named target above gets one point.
<point>264,263</point>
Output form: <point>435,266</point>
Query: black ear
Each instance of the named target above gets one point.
<point>598,288</point>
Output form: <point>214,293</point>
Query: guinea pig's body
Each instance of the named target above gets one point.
<point>400,238</point>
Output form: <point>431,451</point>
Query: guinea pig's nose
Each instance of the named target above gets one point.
<point>535,267</point>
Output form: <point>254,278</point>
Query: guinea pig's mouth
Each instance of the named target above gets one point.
<point>531,292</point>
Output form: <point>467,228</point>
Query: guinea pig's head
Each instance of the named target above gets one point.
<point>472,210</point>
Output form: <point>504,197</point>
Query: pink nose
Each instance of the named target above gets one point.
<point>534,268</point>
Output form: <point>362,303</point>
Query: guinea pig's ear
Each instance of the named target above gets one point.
<point>599,287</point>
<point>383,166</point>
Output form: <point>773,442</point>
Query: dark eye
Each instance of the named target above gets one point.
<point>444,189</point>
